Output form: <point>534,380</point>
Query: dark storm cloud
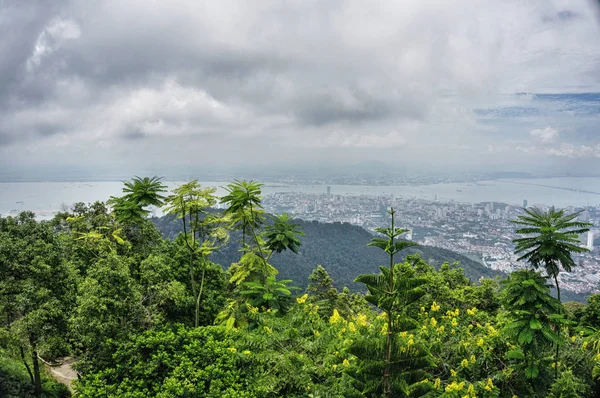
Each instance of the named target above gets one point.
<point>20,24</point>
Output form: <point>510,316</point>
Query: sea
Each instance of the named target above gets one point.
<point>47,198</point>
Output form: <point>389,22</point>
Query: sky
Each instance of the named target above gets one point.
<point>433,85</point>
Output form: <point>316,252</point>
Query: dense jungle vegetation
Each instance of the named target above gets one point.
<point>148,316</point>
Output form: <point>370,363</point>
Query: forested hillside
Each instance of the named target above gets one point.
<point>145,316</point>
<point>342,249</point>
<point>339,247</point>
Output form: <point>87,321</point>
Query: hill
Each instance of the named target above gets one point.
<point>340,247</point>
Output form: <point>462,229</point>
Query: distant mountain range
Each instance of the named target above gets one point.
<point>342,249</point>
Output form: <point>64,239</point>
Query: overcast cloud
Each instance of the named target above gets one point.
<point>438,84</point>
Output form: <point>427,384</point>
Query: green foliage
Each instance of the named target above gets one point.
<point>283,235</point>
<point>15,383</point>
<point>554,235</point>
<point>590,314</point>
<point>206,232</point>
<point>109,308</point>
<point>321,291</point>
<point>133,308</point>
<point>138,193</point>
<point>392,368</point>
<point>533,325</point>
<point>178,362</point>
<point>341,248</point>
<point>272,294</point>
<point>245,208</point>
<point>37,290</point>
<point>568,386</point>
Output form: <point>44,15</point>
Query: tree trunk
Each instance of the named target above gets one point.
<point>199,298</point>
<point>388,344</point>
<point>26,364</point>
<point>557,329</point>
<point>37,379</point>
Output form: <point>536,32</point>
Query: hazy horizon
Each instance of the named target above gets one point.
<point>124,88</point>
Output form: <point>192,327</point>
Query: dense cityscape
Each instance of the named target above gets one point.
<point>481,231</point>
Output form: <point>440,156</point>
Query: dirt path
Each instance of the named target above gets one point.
<point>64,373</point>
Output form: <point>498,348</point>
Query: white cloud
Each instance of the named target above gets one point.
<point>563,150</point>
<point>51,39</point>
<point>547,135</point>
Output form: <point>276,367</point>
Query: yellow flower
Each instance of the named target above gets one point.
<point>492,332</point>
<point>345,363</point>
<point>454,386</point>
<point>584,345</point>
<point>422,309</point>
<point>471,391</point>
<point>433,322</point>
<point>334,366</point>
<point>472,359</point>
<point>232,350</point>
<point>351,327</point>
<point>435,307</point>
<point>361,319</point>
<point>480,342</point>
<point>489,386</point>
<point>253,310</point>
<point>301,300</point>
<point>316,333</point>
<point>472,311</point>
<point>336,317</point>
<point>246,352</point>
<point>441,329</point>
<point>573,338</point>
<point>464,363</point>
<point>454,322</point>
<point>437,383</point>
<point>452,373</point>
<point>268,329</point>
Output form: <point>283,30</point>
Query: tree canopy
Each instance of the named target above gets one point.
<point>146,315</point>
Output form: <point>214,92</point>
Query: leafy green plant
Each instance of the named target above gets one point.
<point>554,237</point>
<point>534,321</point>
<point>394,292</point>
<point>273,294</point>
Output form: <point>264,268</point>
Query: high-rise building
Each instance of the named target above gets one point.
<point>590,240</point>
<point>328,190</point>
<point>524,202</point>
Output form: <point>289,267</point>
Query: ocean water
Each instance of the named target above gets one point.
<point>46,198</point>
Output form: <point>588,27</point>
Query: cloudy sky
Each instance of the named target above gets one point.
<point>437,84</point>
